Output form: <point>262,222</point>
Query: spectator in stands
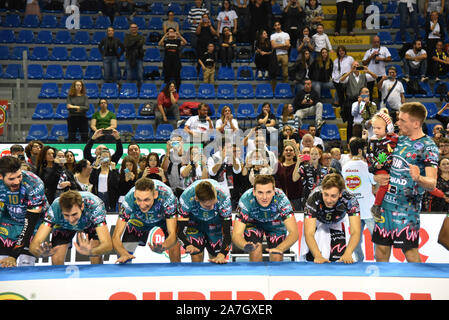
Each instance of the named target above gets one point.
<point>68,6</point>
<point>45,162</point>
<point>32,151</point>
<point>415,62</point>
<point>17,151</point>
<point>439,61</point>
<point>256,140</point>
<point>438,133</point>
<point>280,42</point>
<point>226,122</point>
<point>356,6</point>
<point>103,119</point>
<point>354,81</point>
<point>134,53</point>
<point>317,141</point>
<point>302,69</point>
<point>110,9</point>
<point>83,170</point>
<point>342,64</point>
<point>205,34</point>
<point>227,18</point>
<point>263,54</point>
<point>261,15</point>
<point>95,161</point>
<point>227,47</point>
<point>59,179</point>
<point>439,201</point>
<point>207,62</point>
<point>434,31</point>
<point>77,106</point>
<point>167,105</point>
<point>70,164</point>
<point>195,168</point>
<point>289,117</point>
<point>256,163</point>
<point>293,17</point>
<point>336,156</point>
<point>128,176</point>
<point>172,161</point>
<point>266,120</point>
<point>170,23</point>
<point>134,151</point>
<point>128,7</point>
<point>437,6</point>
<point>105,181</point>
<point>308,142</point>
<point>439,116</point>
<point>307,103</point>
<point>443,147</point>
<point>342,7</point>
<point>362,111</point>
<point>243,21</point>
<point>392,92</point>
<point>288,133</point>
<point>376,59</point>
<point>32,7</point>
<point>195,17</point>
<point>305,42</point>
<point>111,48</point>
<point>321,71</point>
<point>314,15</point>
<point>321,40</point>
<point>172,41</point>
<point>199,126</point>
<point>408,12</point>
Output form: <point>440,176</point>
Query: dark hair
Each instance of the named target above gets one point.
<point>264,179</point>
<point>356,145</point>
<point>167,88</point>
<point>9,164</point>
<point>80,165</point>
<point>123,167</point>
<point>41,162</point>
<point>16,148</point>
<point>30,146</point>
<point>147,164</point>
<point>144,184</point>
<point>205,191</point>
<point>70,198</point>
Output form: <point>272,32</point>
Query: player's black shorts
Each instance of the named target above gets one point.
<point>64,236</point>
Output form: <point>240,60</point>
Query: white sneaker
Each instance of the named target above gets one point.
<point>259,74</point>
<point>266,74</point>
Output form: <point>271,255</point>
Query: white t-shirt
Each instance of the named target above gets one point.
<point>359,182</point>
<point>345,66</point>
<point>196,125</point>
<point>435,34</point>
<point>377,68</point>
<point>103,183</point>
<point>227,19</point>
<point>411,53</point>
<point>219,123</point>
<point>280,38</point>
<point>321,41</point>
<point>395,97</point>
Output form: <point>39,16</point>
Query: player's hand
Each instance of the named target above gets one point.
<point>84,245</point>
<point>158,248</point>
<point>250,247</point>
<point>414,172</point>
<point>125,258</point>
<point>8,262</point>
<point>219,259</point>
<point>45,250</point>
<point>192,250</point>
<point>346,258</point>
<point>320,260</point>
<point>382,179</point>
<point>274,251</point>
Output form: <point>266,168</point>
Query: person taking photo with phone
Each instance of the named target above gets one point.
<point>153,169</point>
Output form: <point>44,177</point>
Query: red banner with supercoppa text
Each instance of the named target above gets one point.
<point>3,109</point>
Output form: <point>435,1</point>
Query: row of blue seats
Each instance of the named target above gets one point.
<point>127,111</point>
<point>387,39</point>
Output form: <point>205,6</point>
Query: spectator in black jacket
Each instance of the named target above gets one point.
<point>307,103</point>
<point>60,179</point>
<point>322,68</point>
<point>111,49</point>
<point>87,152</point>
<point>128,176</point>
<point>134,54</point>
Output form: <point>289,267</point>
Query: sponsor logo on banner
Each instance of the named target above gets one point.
<point>353,182</point>
<point>11,296</point>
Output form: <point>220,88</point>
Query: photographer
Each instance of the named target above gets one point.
<point>97,136</point>
<point>128,176</point>
<point>256,163</point>
<point>103,119</point>
<point>307,103</point>
<point>172,161</point>
<point>153,169</point>
<point>198,127</point>
<point>171,67</point>
<point>196,168</point>
<point>205,34</point>
<point>61,179</point>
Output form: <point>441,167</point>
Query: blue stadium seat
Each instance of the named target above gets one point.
<point>329,132</point>
<point>44,37</point>
<point>61,112</point>
<point>62,21</point>
<point>35,71</point>
<point>426,87</point>
<point>392,7</point>
<point>186,25</point>
<point>39,54</point>
<point>62,37</point>
<point>37,132</point>
<point>140,21</point>
<point>129,91</point>
<point>95,55</point>
<point>64,90</point>
<point>81,37</point>
<point>206,91</point>
<point>49,21</point>
<point>125,129</point>
<point>25,36</point>
<point>225,73</point>
<point>93,72</point>
<point>188,73</point>
<point>54,72</point>
<point>293,55</point>
<point>175,7</point>
<point>43,111</point>
<point>4,53</point>
<point>432,109</point>
<point>398,39</point>
<point>264,91</point>
<point>246,111</point>
<point>155,23</point>
<point>328,111</point>
<point>225,91</point>
<point>73,71</point>
<point>187,91</point>
<point>92,90</point>
<point>7,36</point>
<point>141,117</point>
<point>245,91</point>
<point>49,90</point>
<point>326,93</point>
<point>59,54</point>
<point>430,128</point>
<point>13,71</point>
<point>276,9</point>
<point>385,37</point>
<point>102,22</point>
<point>91,111</point>
<point>187,7</point>
<point>126,111</point>
<point>109,91</point>
<point>152,55</point>
<point>11,20</point>
<point>148,91</point>
<point>163,132</point>
<point>395,22</point>
<point>380,5</point>
<point>97,36</point>
<point>283,91</point>
<point>78,54</point>
<point>110,107</point>
<point>58,131</point>
<point>394,54</point>
<point>120,23</point>
<point>144,132</point>
<point>30,21</point>
<point>86,22</point>
<point>152,38</point>
<point>157,8</point>
<point>242,77</point>
<point>17,53</point>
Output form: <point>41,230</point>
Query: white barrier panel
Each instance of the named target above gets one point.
<point>236,281</point>
<point>430,250</point>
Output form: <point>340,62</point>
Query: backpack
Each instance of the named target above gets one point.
<point>147,109</point>
<point>403,50</point>
<point>413,87</point>
<point>154,37</point>
<point>244,54</point>
<point>441,90</point>
<point>188,108</point>
<point>245,73</point>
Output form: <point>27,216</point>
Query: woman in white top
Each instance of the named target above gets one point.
<point>342,65</point>
<point>226,121</point>
<point>434,32</point>
<point>83,170</point>
<point>227,18</point>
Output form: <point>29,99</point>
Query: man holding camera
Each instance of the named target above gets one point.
<point>172,42</point>
<point>307,103</point>
<point>87,152</point>
<point>198,127</point>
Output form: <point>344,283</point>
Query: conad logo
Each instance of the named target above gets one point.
<point>11,296</point>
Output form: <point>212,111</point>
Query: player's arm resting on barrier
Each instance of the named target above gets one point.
<point>105,245</point>
<point>428,181</point>
<point>238,234</point>
<point>292,236</point>
<point>226,225</point>
<point>182,236</point>
<point>117,244</point>
<point>309,233</point>
<point>31,218</point>
<point>355,231</point>
<point>172,238</point>
<point>39,238</point>
<point>443,237</point>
